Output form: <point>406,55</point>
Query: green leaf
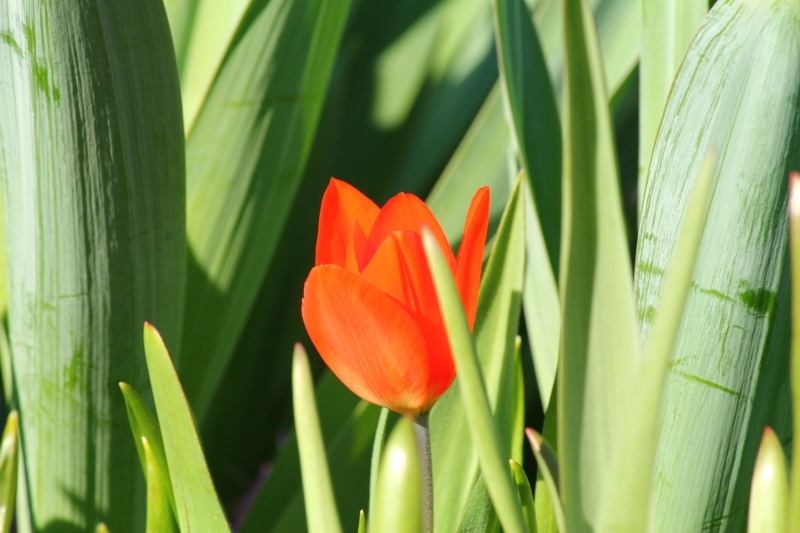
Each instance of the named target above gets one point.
<point>667,29</point>
<point>600,344</point>
<point>479,515</point>
<point>92,165</point>
<point>729,372</point>
<point>547,459</point>
<point>532,112</point>
<point>377,452</point>
<point>398,499</point>
<point>794,250</point>
<point>320,503</point>
<point>769,495</point>
<point>245,156</point>
<point>348,425</point>
<point>456,458</point>
<point>525,495</point>
<point>159,512</point>
<point>198,508</point>
<point>362,522</point>
<point>145,427</point>
<point>627,505</point>
<point>483,428</point>
<point>9,464</point>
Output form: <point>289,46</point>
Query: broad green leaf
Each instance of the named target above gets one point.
<point>667,29</point>
<point>195,500</point>
<point>398,499</point>
<point>9,464</point>
<point>794,245</point>
<point>213,26</point>
<point>348,425</point>
<point>728,377</point>
<point>481,159</point>
<point>599,342</point>
<point>377,452</point>
<point>320,503</point>
<point>547,460</point>
<point>627,504</point>
<point>455,453</point>
<point>159,512</point>
<point>245,157</point>
<point>92,169</point>
<point>525,495</point>
<point>479,515</point>
<point>145,427</point>
<point>769,495</point>
<point>483,428</point>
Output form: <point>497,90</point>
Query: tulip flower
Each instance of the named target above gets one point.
<point>369,304</point>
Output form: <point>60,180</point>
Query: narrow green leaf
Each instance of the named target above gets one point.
<point>348,425</point>
<point>198,508</point>
<point>245,157</point>
<point>9,464</point>
<point>497,321</point>
<point>377,451</point>
<point>483,429</point>
<point>545,513</point>
<point>600,345</point>
<point>398,501</point>
<point>547,459</point>
<point>729,374</point>
<point>525,495</point>
<point>532,112</point>
<point>769,495</point>
<point>320,502</point>
<point>5,359</point>
<point>144,426</point>
<point>794,250</point>
<point>627,505</point>
<point>159,512</point>
<point>92,163</point>
<point>362,522</point>
<point>667,29</point>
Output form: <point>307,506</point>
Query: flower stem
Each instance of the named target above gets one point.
<point>424,446</point>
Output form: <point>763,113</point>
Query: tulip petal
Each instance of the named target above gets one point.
<point>342,206</point>
<point>470,254</point>
<point>406,212</point>
<point>400,269</point>
<point>355,249</point>
<point>367,339</point>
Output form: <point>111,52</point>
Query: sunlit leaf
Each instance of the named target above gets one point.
<point>769,493</point>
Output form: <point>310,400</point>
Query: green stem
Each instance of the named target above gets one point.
<point>424,446</point>
<point>377,452</point>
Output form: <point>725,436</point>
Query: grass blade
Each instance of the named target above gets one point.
<point>245,156</point>
<point>145,427</point>
<point>9,464</point>
<point>483,428</point>
<point>198,509</point>
<point>601,346</point>
<point>159,513</point>
<point>627,506</point>
<point>667,28</point>
<point>525,495</point>
<point>92,163</point>
<point>769,495</point>
<point>320,502</point>
<point>377,452</point>
<point>456,458</point>
<point>547,459</point>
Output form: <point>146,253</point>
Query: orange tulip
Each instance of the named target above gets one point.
<point>370,306</point>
